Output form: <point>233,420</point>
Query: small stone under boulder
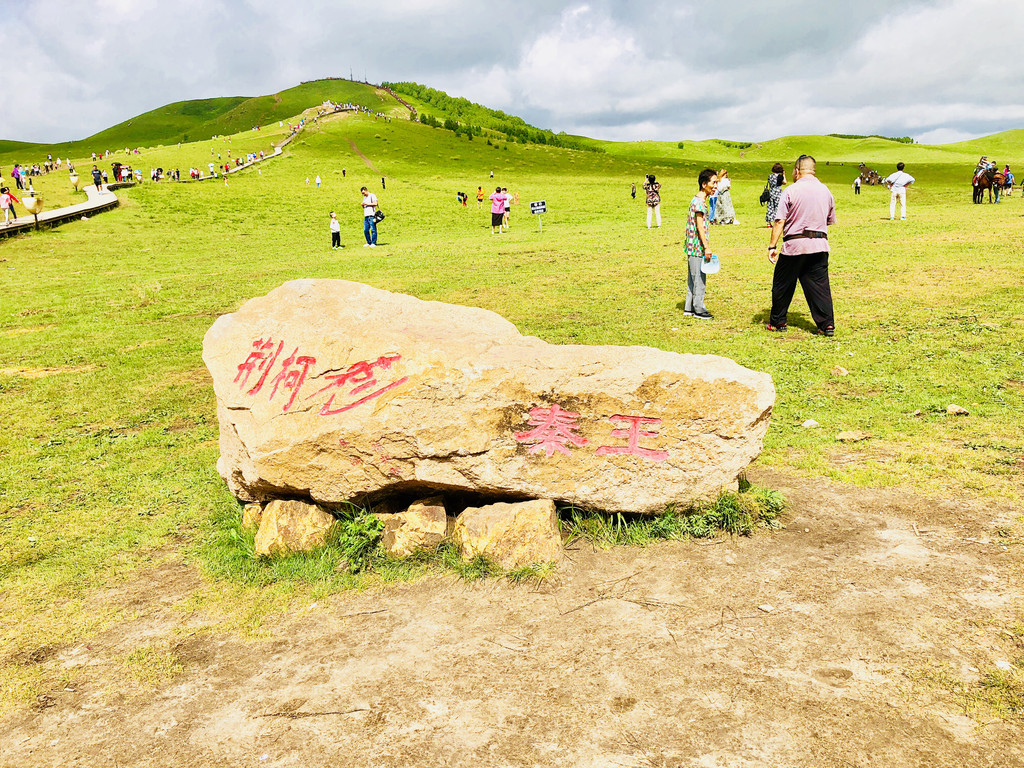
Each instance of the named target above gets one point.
<point>422,526</point>
<point>338,392</point>
<point>252,514</point>
<point>513,535</point>
<point>291,526</point>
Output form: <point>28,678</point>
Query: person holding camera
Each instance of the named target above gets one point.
<point>369,218</point>
<point>653,190</point>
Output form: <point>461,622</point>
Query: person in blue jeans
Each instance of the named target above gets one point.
<point>369,223</point>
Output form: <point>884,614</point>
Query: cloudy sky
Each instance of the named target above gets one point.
<point>612,69</point>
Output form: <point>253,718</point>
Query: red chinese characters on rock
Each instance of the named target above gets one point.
<point>632,433</point>
<point>361,377</point>
<point>552,428</point>
<point>262,359</point>
<point>555,429</point>
<point>292,375</point>
<point>356,379</point>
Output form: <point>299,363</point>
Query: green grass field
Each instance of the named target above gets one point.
<point>110,439</point>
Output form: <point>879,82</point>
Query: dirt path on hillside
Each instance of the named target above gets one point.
<point>825,644</point>
<point>365,158</point>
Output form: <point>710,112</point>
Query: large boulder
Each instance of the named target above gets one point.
<point>512,535</point>
<point>336,391</point>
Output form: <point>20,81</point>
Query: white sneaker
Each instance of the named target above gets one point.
<point>366,245</point>
<point>373,245</point>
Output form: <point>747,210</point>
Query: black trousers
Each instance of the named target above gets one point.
<point>811,270</point>
<point>335,239</point>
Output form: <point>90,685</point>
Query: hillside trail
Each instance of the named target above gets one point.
<point>365,158</point>
<point>829,643</point>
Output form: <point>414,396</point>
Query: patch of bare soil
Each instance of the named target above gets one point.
<point>42,373</point>
<point>808,647</point>
<point>365,158</point>
<point>12,332</point>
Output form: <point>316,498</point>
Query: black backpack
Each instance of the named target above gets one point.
<point>766,194</point>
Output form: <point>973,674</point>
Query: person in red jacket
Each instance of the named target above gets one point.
<point>7,201</point>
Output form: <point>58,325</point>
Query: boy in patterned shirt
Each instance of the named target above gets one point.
<point>696,245</point>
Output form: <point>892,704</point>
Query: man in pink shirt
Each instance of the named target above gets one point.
<point>497,210</point>
<point>806,208</point>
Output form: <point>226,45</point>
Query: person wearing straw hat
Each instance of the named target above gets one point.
<point>697,247</point>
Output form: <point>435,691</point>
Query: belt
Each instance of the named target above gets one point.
<point>809,233</point>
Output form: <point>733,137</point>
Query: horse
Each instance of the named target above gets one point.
<point>991,180</point>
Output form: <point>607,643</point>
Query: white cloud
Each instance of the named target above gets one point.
<point>943,136</point>
<point>661,69</point>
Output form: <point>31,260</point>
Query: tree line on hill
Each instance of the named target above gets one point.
<point>466,118</point>
<point>900,139</point>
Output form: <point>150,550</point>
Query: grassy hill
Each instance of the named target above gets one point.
<point>999,146</point>
<point>19,146</point>
<point>457,113</point>
<point>831,149</point>
<point>169,124</point>
<point>200,119</point>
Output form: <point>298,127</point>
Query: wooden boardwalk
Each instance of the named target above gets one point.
<point>104,198</point>
<point>97,201</point>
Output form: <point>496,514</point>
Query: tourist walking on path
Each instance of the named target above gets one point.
<point>776,180</point>
<point>898,183</point>
<point>335,231</point>
<point>497,210</point>
<point>97,177</point>
<point>369,222</point>
<point>696,245</point>
<point>805,211</point>
<point>726,212</point>
<point>7,201</point>
<point>653,190</point>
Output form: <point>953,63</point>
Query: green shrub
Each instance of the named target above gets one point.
<point>738,514</point>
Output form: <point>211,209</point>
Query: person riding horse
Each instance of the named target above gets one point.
<point>986,176</point>
<point>983,165</point>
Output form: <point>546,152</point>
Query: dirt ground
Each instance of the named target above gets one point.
<point>825,644</point>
